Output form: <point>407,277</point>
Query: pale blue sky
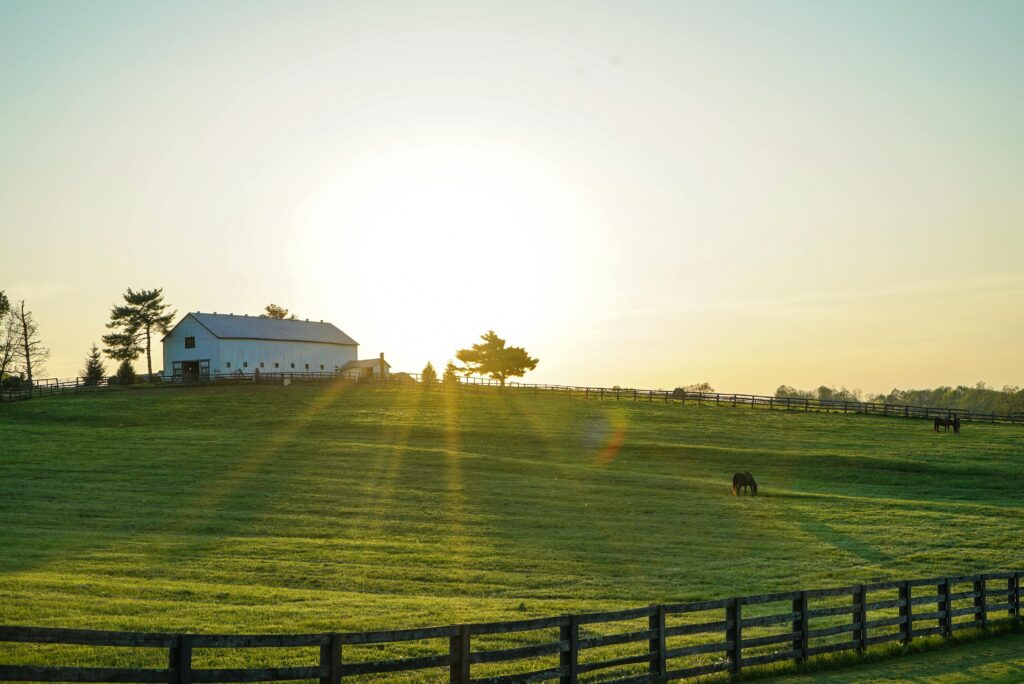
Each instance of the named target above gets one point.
<point>745,193</point>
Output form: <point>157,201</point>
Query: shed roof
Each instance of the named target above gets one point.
<point>230,326</point>
<point>364,363</point>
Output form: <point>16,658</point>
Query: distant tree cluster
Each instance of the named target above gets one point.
<point>824,393</point>
<point>978,399</point>
<point>22,353</point>
<point>491,357</point>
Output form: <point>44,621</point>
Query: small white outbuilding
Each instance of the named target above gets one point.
<point>202,345</point>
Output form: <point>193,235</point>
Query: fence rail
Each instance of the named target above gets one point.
<point>675,641</point>
<point>56,386</point>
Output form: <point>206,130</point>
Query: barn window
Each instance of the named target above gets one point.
<point>321,366</point>
<point>190,343</point>
<point>245,364</point>
<point>261,364</point>
<point>277,365</point>
<point>227,364</point>
<point>293,365</point>
<point>307,366</point>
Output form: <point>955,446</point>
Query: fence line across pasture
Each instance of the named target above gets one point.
<point>671,641</point>
<point>56,386</point>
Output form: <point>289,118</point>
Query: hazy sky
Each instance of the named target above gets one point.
<point>640,193</point>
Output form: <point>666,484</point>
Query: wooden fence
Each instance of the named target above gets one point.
<point>55,386</point>
<point>673,641</point>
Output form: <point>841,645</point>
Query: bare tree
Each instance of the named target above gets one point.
<point>8,344</point>
<point>30,353</point>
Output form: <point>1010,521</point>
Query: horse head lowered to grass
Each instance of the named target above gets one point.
<point>743,480</point>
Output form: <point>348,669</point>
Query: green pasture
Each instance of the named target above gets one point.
<point>296,509</point>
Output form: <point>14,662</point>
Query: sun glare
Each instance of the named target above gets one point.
<point>449,242</point>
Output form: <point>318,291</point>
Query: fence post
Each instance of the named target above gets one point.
<point>1016,599</point>
<point>458,647</point>
<point>656,645</point>
<point>945,622</point>
<point>860,616</point>
<point>734,634</point>
<point>800,628</point>
<point>330,660</point>
<point>569,660</point>
<point>906,612</point>
<point>1011,596</point>
<point>980,614</point>
<point>180,660</point>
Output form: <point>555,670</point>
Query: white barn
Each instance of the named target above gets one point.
<point>204,345</point>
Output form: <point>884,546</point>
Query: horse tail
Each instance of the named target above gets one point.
<point>734,490</point>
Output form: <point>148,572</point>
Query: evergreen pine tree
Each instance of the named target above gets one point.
<point>429,375</point>
<point>94,372</point>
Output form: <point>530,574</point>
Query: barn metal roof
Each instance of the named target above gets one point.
<point>230,326</point>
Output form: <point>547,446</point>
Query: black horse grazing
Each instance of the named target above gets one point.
<point>943,423</point>
<point>741,480</point>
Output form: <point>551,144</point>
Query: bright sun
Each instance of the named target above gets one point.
<point>439,244</point>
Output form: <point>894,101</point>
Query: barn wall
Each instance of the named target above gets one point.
<point>246,355</point>
<point>207,346</point>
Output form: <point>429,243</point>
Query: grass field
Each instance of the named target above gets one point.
<point>267,509</point>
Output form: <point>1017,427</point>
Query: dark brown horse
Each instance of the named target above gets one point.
<point>943,423</point>
<point>741,480</point>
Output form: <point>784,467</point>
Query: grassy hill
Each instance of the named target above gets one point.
<point>264,509</point>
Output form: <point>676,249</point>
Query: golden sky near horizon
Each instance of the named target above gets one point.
<point>650,194</point>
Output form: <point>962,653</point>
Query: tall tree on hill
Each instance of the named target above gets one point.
<point>493,359</point>
<point>275,311</point>
<point>143,314</point>
<point>94,372</point>
<point>30,354</point>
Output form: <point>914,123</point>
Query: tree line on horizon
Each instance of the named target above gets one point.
<point>981,398</point>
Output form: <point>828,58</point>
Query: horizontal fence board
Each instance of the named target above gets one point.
<point>259,640</point>
<point>86,637</point>
<point>702,628</point>
<point>831,631</point>
<point>518,653</point>
<point>381,666</point>
<point>612,639</point>
<point>885,622</point>
<point>525,677</point>
<point>754,642</point>
<point>881,605</point>
<point>884,639</point>
<point>34,673</point>
<point>267,674</point>
<point>838,610</point>
<point>769,619</point>
<point>616,615</point>
<point>613,662</point>
<point>698,648</point>
<point>770,598</point>
<point>385,637</point>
